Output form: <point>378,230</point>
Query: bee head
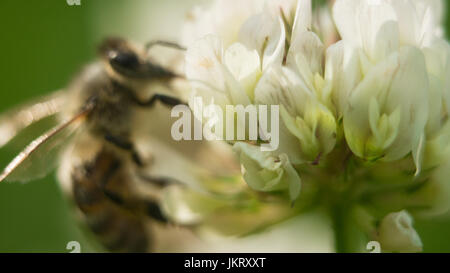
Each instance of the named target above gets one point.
<point>120,55</point>
<point>129,62</point>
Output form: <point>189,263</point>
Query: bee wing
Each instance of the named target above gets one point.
<point>14,121</point>
<point>41,155</point>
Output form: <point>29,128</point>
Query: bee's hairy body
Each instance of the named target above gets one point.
<point>102,186</point>
<point>117,227</point>
<point>99,187</point>
<point>113,109</point>
<point>100,165</point>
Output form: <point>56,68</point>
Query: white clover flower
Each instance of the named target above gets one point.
<point>342,73</point>
<point>223,18</point>
<point>323,24</point>
<point>231,76</point>
<point>380,26</point>
<point>260,42</point>
<point>229,73</point>
<point>397,234</point>
<point>208,66</point>
<point>437,57</point>
<point>266,172</point>
<point>386,118</point>
<point>218,72</point>
<point>363,120</point>
<point>303,116</point>
<point>374,31</point>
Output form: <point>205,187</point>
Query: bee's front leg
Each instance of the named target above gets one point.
<point>164,99</point>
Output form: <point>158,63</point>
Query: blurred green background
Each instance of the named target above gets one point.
<point>43,43</point>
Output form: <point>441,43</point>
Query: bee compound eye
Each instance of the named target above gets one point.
<point>123,60</point>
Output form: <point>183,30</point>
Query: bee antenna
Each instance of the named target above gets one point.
<point>151,44</point>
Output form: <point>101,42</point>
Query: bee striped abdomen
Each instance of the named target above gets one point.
<point>118,228</point>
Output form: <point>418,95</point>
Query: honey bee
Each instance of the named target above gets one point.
<point>94,136</point>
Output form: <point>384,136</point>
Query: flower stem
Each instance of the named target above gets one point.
<point>341,220</point>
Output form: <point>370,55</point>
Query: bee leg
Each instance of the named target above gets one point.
<point>137,159</point>
<point>125,145</point>
<point>148,207</point>
<point>153,210</point>
<point>130,202</point>
<point>159,181</point>
<point>151,44</point>
<point>164,99</point>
